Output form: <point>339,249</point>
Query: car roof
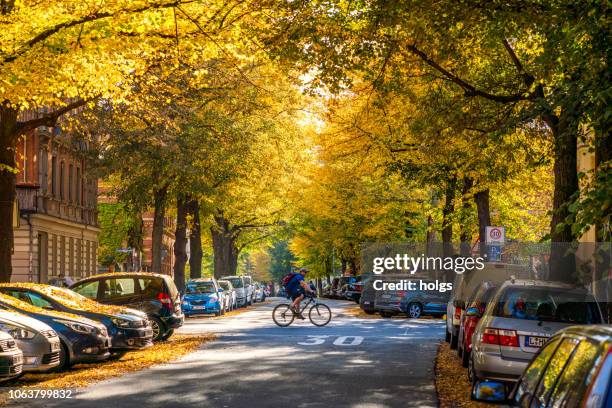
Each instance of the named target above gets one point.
<point>201,280</point>
<point>540,283</point>
<point>125,274</point>
<point>597,332</point>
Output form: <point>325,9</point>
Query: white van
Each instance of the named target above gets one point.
<point>464,286</point>
<point>238,282</point>
<point>249,289</point>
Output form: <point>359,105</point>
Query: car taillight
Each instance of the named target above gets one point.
<point>500,337</point>
<point>401,293</point>
<point>165,300</point>
<point>457,315</point>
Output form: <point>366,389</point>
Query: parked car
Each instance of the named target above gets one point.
<point>521,317</point>
<point>240,287</point>
<point>258,295</point>
<point>416,303</point>
<point>342,286</point>
<point>39,343</point>
<point>203,296</point>
<point>230,294</point>
<point>465,284</point>
<point>368,294</point>
<point>353,289</point>
<point>282,292</point>
<point>11,358</point>
<point>573,369</point>
<point>129,329</point>
<point>475,307</point>
<point>82,340</point>
<point>154,294</point>
<point>249,289</point>
<point>387,302</point>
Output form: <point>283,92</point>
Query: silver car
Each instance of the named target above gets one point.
<point>230,294</point>
<point>11,358</point>
<point>240,288</point>
<point>522,315</point>
<point>39,343</point>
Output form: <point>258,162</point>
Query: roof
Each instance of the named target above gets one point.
<point>201,280</point>
<point>540,283</point>
<point>120,274</point>
<point>597,332</point>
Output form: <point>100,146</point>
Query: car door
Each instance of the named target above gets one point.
<point>121,291</point>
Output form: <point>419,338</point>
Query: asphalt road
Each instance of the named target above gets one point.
<point>352,362</point>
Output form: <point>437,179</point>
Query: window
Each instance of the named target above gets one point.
<point>70,183</point>
<point>150,288</point>
<point>78,189</point>
<point>54,176</point>
<point>32,298</point>
<point>573,383</point>
<point>62,176</point>
<point>118,288</point>
<point>42,170</point>
<point>89,289</point>
<point>553,370</point>
<point>532,374</point>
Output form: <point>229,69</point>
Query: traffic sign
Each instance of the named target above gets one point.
<point>495,235</point>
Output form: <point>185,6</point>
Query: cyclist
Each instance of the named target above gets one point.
<point>297,289</point>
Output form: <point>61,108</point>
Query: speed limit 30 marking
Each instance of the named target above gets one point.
<point>342,341</point>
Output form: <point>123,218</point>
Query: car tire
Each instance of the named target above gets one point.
<point>447,338</point>
<point>414,310</point>
<point>386,314</point>
<point>465,358</point>
<point>453,342</point>
<point>64,363</point>
<point>158,328</point>
<point>116,355</point>
<point>168,334</point>
<point>470,371</point>
<point>369,311</point>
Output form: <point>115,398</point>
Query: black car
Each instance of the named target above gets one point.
<point>83,340</point>
<point>154,294</point>
<point>129,329</point>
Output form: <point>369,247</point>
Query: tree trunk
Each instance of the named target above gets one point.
<point>447,213</point>
<point>8,140</point>
<point>180,243</point>
<point>562,261</point>
<point>160,196</point>
<point>224,248</point>
<point>466,230</point>
<point>481,199</point>
<point>195,241</point>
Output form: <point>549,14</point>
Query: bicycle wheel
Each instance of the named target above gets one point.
<point>319,315</point>
<point>283,315</point>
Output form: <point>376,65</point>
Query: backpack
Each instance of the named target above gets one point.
<point>288,277</point>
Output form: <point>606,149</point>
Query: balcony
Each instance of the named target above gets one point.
<point>30,199</point>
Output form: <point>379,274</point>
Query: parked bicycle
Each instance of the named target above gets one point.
<point>319,314</point>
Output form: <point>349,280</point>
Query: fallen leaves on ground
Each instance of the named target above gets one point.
<point>82,375</point>
<point>452,382</point>
<point>356,311</point>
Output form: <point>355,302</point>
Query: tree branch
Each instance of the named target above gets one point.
<point>48,119</point>
<point>470,90</point>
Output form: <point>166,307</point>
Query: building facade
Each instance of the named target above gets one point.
<point>56,231</point>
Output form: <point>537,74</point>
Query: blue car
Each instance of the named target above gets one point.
<point>417,303</point>
<point>82,340</point>
<point>203,296</point>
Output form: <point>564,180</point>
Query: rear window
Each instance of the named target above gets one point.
<point>548,304</point>
<point>224,285</point>
<point>236,282</point>
<point>172,289</point>
<point>194,288</point>
<point>150,288</point>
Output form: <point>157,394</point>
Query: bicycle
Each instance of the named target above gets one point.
<point>319,314</point>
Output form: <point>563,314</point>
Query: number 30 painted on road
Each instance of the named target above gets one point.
<point>340,341</point>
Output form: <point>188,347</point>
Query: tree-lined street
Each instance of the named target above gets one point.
<point>352,362</point>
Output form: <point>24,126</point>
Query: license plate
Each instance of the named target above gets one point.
<point>531,341</point>
<point>18,359</point>
<point>55,347</point>
<point>199,307</point>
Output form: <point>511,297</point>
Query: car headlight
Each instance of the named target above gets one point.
<point>18,333</point>
<point>77,327</point>
<point>120,322</point>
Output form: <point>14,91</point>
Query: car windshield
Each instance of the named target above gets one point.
<point>200,287</point>
<point>224,285</point>
<point>236,282</point>
<point>548,304</point>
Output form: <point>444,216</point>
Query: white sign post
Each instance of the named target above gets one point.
<point>495,235</point>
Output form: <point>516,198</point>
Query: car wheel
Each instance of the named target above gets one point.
<point>414,310</point>
<point>158,328</point>
<point>453,342</point>
<point>369,311</point>
<point>465,358</point>
<point>386,314</point>
<point>116,355</point>
<point>447,338</point>
<point>470,371</point>
<point>168,334</point>
<point>64,362</point>
<point>222,311</point>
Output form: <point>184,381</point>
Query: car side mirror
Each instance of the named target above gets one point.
<point>473,312</point>
<point>490,391</point>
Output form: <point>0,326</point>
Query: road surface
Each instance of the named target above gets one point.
<point>352,362</point>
